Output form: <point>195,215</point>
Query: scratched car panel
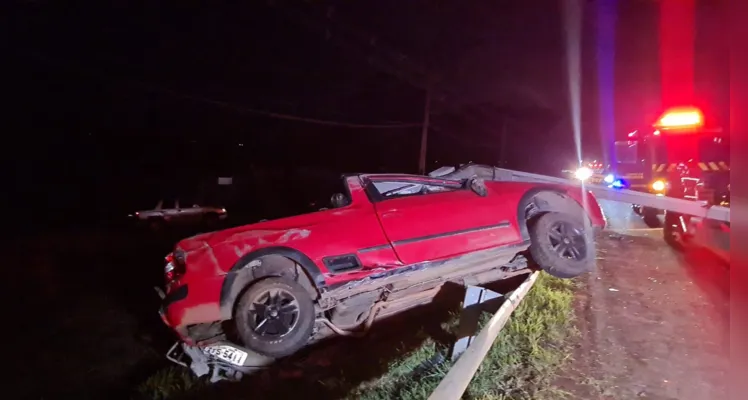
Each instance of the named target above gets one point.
<point>279,282</point>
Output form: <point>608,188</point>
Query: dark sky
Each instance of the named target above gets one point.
<point>123,90</point>
<point>154,70</point>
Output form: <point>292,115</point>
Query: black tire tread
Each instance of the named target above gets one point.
<point>546,259</point>
<point>289,344</point>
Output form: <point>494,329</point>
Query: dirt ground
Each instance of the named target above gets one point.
<point>653,324</point>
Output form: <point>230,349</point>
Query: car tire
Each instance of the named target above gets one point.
<point>284,331</point>
<point>560,246</point>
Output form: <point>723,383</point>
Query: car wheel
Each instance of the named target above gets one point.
<point>275,317</point>
<point>560,246</point>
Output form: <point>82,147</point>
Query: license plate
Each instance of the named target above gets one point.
<point>227,353</point>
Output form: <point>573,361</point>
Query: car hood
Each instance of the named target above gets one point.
<point>277,232</point>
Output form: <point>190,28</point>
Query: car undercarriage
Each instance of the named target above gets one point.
<point>351,309</point>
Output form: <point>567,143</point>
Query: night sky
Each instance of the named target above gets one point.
<point>106,96</point>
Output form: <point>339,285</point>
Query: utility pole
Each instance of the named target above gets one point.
<point>425,133</point>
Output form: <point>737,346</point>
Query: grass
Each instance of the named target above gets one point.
<point>522,364</point>
<point>168,383</point>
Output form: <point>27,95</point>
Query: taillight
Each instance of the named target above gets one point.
<point>174,267</point>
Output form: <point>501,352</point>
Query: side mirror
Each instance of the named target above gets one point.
<point>478,186</point>
<point>338,200</point>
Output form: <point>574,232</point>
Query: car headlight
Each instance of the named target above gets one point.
<point>659,185</point>
<point>583,173</point>
<point>609,178</point>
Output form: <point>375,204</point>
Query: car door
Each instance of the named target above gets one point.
<point>435,219</point>
<point>190,211</point>
<point>170,210</point>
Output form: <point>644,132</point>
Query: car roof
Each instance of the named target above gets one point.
<point>406,177</point>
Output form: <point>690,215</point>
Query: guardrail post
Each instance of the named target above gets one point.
<point>477,299</point>
<point>458,378</point>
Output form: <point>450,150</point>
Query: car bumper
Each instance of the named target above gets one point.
<point>169,311</point>
<point>189,308</point>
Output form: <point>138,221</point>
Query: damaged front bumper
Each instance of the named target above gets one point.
<point>221,361</point>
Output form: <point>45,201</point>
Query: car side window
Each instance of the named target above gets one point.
<point>395,189</point>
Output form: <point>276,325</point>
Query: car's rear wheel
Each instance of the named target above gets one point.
<point>560,246</point>
<point>275,317</point>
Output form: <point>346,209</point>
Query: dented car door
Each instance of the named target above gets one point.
<point>435,219</point>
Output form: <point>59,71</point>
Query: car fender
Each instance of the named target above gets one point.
<point>549,198</point>
<point>267,262</point>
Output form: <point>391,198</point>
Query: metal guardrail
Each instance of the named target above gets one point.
<point>686,207</point>
<point>459,376</point>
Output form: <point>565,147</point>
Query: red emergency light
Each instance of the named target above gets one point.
<point>682,117</point>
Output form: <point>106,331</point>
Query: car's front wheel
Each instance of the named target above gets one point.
<point>561,246</point>
<point>275,317</point>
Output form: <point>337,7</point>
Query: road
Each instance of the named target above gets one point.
<point>654,324</point>
<point>621,218</point>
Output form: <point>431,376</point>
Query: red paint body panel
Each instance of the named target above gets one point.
<point>413,229</point>
<point>413,217</point>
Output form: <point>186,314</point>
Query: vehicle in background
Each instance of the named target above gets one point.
<point>589,172</point>
<point>387,243</point>
<point>169,213</point>
<point>681,156</point>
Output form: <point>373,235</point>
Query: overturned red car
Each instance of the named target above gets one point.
<point>387,243</point>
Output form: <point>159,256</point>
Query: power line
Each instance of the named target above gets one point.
<point>287,117</point>
<point>233,106</point>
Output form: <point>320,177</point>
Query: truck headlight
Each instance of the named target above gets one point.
<point>659,185</point>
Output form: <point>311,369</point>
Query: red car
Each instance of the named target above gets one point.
<point>388,242</point>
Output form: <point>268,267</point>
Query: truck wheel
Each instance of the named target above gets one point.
<point>650,217</point>
<point>560,246</point>
<point>673,232</point>
<point>275,317</point>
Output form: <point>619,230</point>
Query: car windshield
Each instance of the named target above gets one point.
<point>626,152</point>
<point>393,189</point>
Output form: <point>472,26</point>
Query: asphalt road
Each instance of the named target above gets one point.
<point>621,218</point>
